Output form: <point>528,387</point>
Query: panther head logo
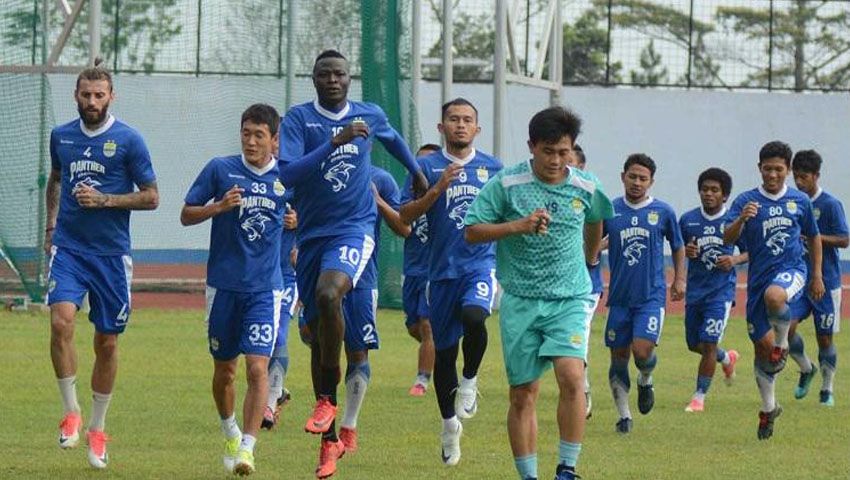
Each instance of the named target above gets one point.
<point>338,175</point>
<point>89,181</point>
<point>776,242</point>
<point>420,229</point>
<point>458,213</point>
<point>255,225</point>
<point>633,252</point>
<point>709,258</point>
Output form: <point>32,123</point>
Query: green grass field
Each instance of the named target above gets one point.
<point>163,422</point>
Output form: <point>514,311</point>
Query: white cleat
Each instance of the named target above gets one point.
<point>231,450</point>
<point>466,399</point>
<point>98,458</point>
<point>451,446</point>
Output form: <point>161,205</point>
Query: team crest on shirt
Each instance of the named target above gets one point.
<point>791,206</point>
<point>816,213</point>
<point>109,148</point>
<point>652,217</point>
<point>255,225</point>
<point>339,175</point>
<point>458,213</point>
<point>577,205</point>
<point>278,188</point>
<point>482,174</point>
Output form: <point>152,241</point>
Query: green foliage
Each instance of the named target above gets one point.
<point>653,71</point>
<point>585,51</point>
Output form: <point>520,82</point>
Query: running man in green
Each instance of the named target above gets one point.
<point>547,220</point>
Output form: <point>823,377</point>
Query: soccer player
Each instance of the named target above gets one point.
<point>578,159</point>
<point>415,302</point>
<point>95,162</point>
<point>336,217</point>
<point>279,363</point>
<point>638,290</point>
<point>540,212</point>
<point>360,308</point>
<point>243,196</point>
<point>832,224</point>
<point>711,281</point>
<point>769,221</point>
<point>461,276</point>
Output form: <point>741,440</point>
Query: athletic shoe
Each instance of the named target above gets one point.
<point>323,415</point>
<point>329,452</point>
<point>564,472</point>
<point>69,430</point>
<point>804,383</point>
<point>778,354</point>
<point>696,405</point>
<point>417,390</point>
<point>466,400</point>
<point>624,426</point>
<point>97,448</point>
<point>269,418</point>
<point>826,398</point>
<point>766,420</point>
<point>348,437</point>
<point>729,370</point>
<point>231,449</point>
<point>450,452</point>
<point>244,463</point>
<point>588,402</point>
<point>646,398</point>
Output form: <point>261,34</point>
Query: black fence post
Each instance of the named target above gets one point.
<point>280,39</point>
<point>770,51</point>
<point>35,17</point>
<point>690,43</point>
<point>115,32</point>
<point>198,44</point>
<point>608,45</point>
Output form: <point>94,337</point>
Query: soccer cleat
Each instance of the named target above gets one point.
<point>97,448</point>
<point>564,472</point>
<point>69,430</point>
<point>646,398</point>
<point>804,383</point>
<point>826,398</point>
<point>624,426</point>
<point>348,437</point>
<point>231,449</point>
<point>766,420</point>
<point>417,390</point>
<point>696,405</point>
<point>323,415</point>
<point>450,441</point>
<point>729,370</point>
<point>329,452</point>
<point>466,401</point>
<point>778,354</point>
<point>244,463</point>
<point>269,418</point>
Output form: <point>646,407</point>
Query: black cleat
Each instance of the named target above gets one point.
<point>624,426</point>
<point>766,420</point>
<point>646,398</point>
<point>564,472</point>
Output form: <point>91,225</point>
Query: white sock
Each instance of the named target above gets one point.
<point>469,382</point>
<point>99,405</point>
<point>451,424</point>
<point>644,380</point>
<point>423,379</point>
<point>229,427</point>
<point>699,396</point>
<point>247,443</point>
<point>828,376</point>
<point>275,385</point>
<point>781,327</point>
<point>767,390</point>
<point>726,359</point>
<point>355,392</point>
<point>68,391</point>
<point>621,398</point>
<point>803,361</point>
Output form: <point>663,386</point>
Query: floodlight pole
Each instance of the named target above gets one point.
<point>95,9</point>
<point>499,76</point>
<point>448,41</point>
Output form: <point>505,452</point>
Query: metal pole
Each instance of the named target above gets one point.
<point>117,28</point>
<point>690,43</point>
<point>499,77</point>
<point>416,40</point>
<point>448,41</point>
<point>556,53</point>
<point>770,51</point>
<point>290,51</point>
<point>198,44</point>
<point>608,45</point>
<point>94,30</point>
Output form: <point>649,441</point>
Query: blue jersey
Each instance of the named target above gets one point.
<point>110,160</point>
<point>287,240</point>
<point>388,190</point>
<point>336,199</point>
<point>245,241</point>
<point>829,215</point>
<point>706,282</point>
<point>636,237</point>
<point>417,249</point>
<point>772,237</point>
<point>451,256</point>
<point>595,272</point>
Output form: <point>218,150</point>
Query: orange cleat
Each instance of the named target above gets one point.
<point>323,415</point>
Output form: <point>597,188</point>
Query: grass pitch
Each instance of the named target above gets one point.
<point>163,422</point>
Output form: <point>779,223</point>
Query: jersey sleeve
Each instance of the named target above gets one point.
<point>808,224</point>
<point>139,162</point>
<point>407,188</point>
<point>683,229</point>
<point>601,207</point>
<point>291,138</point>
<point>203,188</point>
<point>736,209</point>
<point>388,190</point>
<point>489,205</point>
<point>671,230</point>
<point>54,155</point>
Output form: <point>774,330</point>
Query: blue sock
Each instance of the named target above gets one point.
<point>362,368</point>
<point>568,453</point>
<point>828,357</point>
<point>646,367</point>
<point>721,355</point>
<point>783,315</point>
<point>703,384</point>
<point>282,361</point>
<point>796,344</point>
<point>526,466</point>
<point>619,370</point>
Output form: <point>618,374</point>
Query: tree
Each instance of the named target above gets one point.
<point>324,24</point>
<point>474,43</point>
<point>810,43</point>
<point>585,51</point>
<point>143,28</point>
<point>652,72</point>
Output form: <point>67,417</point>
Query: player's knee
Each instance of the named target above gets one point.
<point>709,349</point>
<point>415,332</point>
<point>425,332</point>
<point>61,324</point>
<point>824,341</point>
<point>522,397</point>
<point>256,372</point>
<point>768,367</point>
<point>473,318</point>
<point>642,352</point>
<point>328,297</point>
<point>775,299</point>
<point>105,345</point>
<point>224,375</point>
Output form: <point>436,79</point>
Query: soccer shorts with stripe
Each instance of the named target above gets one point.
<point>413,298</point>
<point>242,322</point>
<point>793,281</point>
<point>706,322</point>
<point>826,311</point>
<point>627,323</point>
<point>446,299</point>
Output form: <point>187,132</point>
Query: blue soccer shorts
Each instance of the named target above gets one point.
<point>288,303</point>
<point>706,322</point>
<point>242,322</point>
<point>627,323</point>
<point>446,298</point>
<point>413,298</point>
<point>360,309</point>
<point>793,281</point>
<point>826,311</point>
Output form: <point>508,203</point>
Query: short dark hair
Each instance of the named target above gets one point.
<point>582,158</point>
<point>641,159</point>
<point>718,175</point>
<point>262,114</point>
<point>458,102</point>
<point>775,149</point>
<point>330,53</point>
<point>429,147</point>
<point>95,73</point>
<point>553,124</point>
<point>808,161</point>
